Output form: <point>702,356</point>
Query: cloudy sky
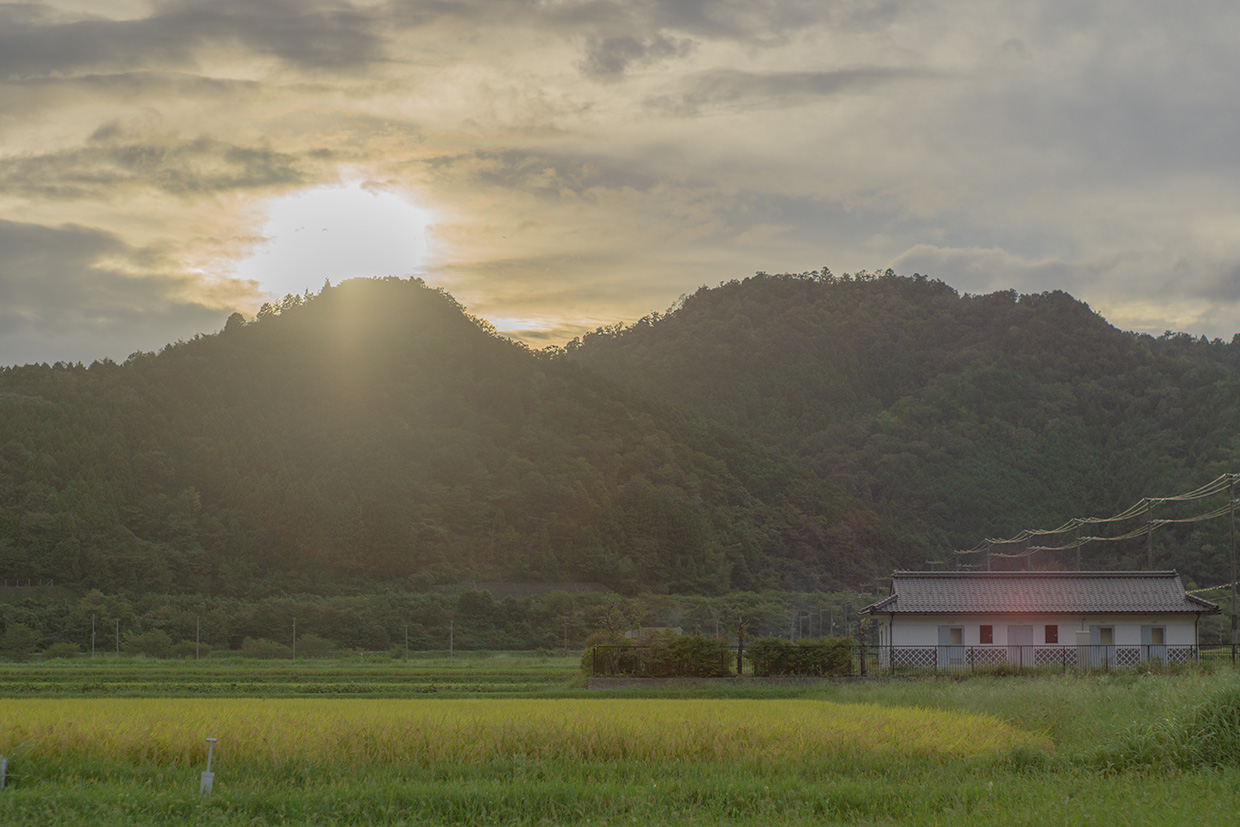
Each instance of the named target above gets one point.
<point>563,164</point>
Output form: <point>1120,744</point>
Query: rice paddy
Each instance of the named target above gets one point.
<point>1038,751</point>
<point>347,734</point>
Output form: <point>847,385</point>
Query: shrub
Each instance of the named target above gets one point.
<point>19,642</point>
<point>261,647</point>
<point>313,646</point>
<point>153,644</point>
<point>187,649</point>
<point>690,656</point>
<point>610,660</point>
<point>807,658</point>
<point>62,650</point>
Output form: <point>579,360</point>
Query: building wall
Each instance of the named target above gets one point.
<point>923,630</point>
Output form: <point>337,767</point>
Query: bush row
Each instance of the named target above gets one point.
<point>660,656</point>
<point>690,656</point>
<point>822,657</point>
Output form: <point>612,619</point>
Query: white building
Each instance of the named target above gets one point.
<point>1086,618</point>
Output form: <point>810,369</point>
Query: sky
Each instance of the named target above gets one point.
<point>566,164</point>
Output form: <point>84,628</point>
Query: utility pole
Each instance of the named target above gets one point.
<point>1231,500</point>
<point>118,637</point>
<point>406,641</point>
<point>294,638</point>
<point>1149,535</point>
<point>1078,547</point>
<point>92,635</point>
<point>740,641</point>
<point>197,635</point>
<point>451,638</point>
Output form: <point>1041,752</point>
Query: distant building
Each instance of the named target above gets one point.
<point>1110,618</point>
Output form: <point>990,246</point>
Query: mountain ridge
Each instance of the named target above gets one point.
<point>375,434</point>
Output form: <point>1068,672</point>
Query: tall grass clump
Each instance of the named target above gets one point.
<point>1211,732</point>
<point>1204,734</point>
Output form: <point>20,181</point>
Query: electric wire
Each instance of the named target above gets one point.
<point>1143,507</point>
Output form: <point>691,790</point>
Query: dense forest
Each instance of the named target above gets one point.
<point>376,433</point>
<point>796,432</point>
<point>955,417</point>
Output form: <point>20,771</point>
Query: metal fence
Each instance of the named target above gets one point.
<point>646,661</point>
<point>1027,658</point>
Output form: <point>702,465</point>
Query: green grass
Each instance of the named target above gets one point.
<point>472,673</point>
<point>1129,749</point>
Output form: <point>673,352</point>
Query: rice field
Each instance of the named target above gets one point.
<point>1140,750</point>
<point>345,735</point>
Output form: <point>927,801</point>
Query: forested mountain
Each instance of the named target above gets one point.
<point>377,434</point>
<point>787,432</point>
<point>956,417</point>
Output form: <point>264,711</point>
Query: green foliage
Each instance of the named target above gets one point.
<point>823,657</point>
<point>19,642</point>
<point>314,646</point>
<point>190,649</point>
<point>153,644</point>
<point>265,649</point>
<point>1213,729</point>
<point>377,434</point>
<point>691,656</point>
<point>800,433</point>
<point>59,651</point>
<point>948,417</point>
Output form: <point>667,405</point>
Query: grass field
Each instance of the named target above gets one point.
<point>470,673</point>
<point>1108,749</point>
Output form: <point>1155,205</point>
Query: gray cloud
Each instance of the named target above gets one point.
<point>118,156</point>
<point>748,21</point>
<point>615,55</point>
<point>976,270</point>
<point>63,298</point>
<point>736,89</point>
<point>305,33</point>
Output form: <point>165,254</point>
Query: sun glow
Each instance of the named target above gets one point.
<point>334,233</point>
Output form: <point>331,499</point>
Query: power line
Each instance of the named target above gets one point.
<point>1143,507</point>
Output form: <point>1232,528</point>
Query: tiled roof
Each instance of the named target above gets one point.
<point>1070,592</point>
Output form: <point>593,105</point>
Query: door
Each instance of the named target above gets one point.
<point>1154,643</point>
<point>1103,640</point>
<point>951,646</point>
<point>1020,645</point>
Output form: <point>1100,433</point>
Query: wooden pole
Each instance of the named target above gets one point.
<point>1231,497</point>
<point>1149,535</point>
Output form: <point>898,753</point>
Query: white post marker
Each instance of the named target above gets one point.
<point>208,777</point>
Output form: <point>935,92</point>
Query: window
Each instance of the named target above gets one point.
<point>987,634</point>
<point>1158,636</point>
<point>1052,634</point>
<point>955,636</point>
